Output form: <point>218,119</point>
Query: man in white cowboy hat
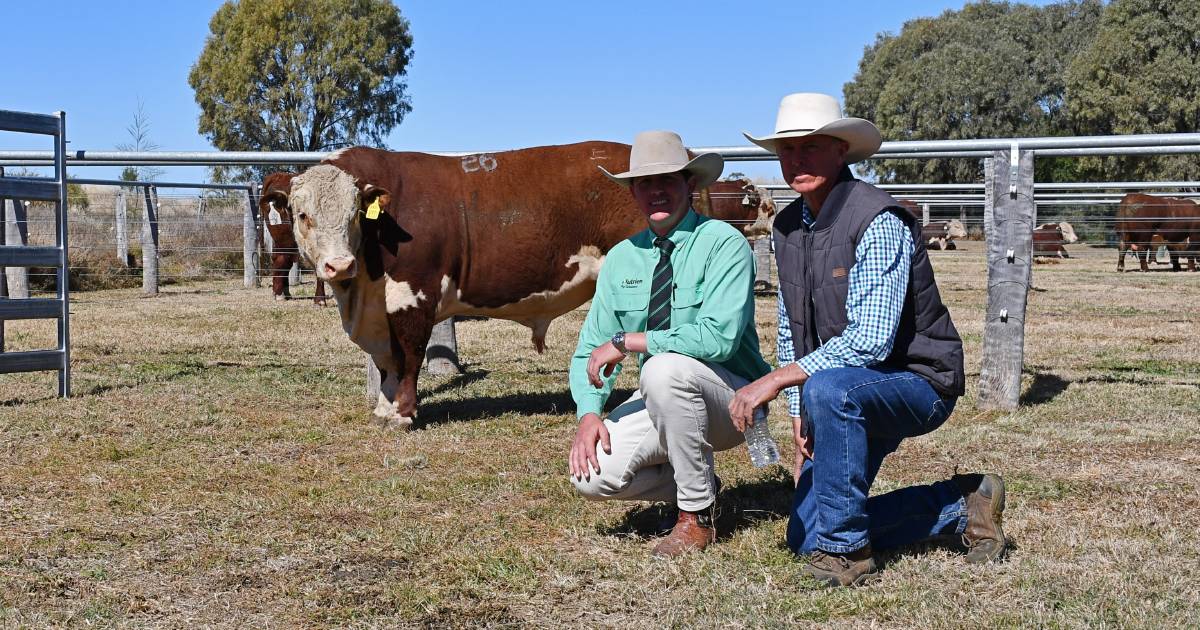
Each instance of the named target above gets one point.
<point>680,296</point>
<point>864,333</point>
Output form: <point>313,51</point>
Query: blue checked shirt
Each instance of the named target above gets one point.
<point>874,300</point>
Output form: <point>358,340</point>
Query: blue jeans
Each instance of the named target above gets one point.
<point>858,416</point>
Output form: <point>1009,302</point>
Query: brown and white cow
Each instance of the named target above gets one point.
<point>941,234</point>
<point>738,202</point>
<point>277,217</point>
<point>1141,217</point>
<point>938,234</point>
<point>409,239</point>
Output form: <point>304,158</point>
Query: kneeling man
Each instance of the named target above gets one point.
<point>679,295</point>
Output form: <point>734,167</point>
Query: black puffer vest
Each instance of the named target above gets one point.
<point>815,274</point>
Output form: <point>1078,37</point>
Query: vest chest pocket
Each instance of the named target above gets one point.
<point>631,308</point>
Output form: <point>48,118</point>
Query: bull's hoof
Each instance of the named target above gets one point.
<point>393,423</point>
<point>281,297</point>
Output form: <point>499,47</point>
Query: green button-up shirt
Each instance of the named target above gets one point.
<point>712,308</point>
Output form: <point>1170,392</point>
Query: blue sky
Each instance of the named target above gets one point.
<point>485,75</point>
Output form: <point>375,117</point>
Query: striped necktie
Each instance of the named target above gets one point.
<point>660,288</point>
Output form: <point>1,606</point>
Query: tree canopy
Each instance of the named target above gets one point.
<point>302,75</point>
<point>990,70</point>
<point>1139,74</point>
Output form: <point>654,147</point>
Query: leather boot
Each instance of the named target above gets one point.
<point>838,569</point>
<point>983,536</point>
<point>693,531</point>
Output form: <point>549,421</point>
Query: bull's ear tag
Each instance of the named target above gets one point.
<point>273,217</point>
<point>373,210</point>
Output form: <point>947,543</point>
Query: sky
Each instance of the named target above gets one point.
<point>485,76</point>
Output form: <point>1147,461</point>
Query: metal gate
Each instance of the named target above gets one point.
<point>54,190</point>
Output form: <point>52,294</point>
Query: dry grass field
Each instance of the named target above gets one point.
<point>215,469</point>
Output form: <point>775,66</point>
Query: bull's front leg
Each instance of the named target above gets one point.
<point>281,263</point>
<point>394,410</point>
<point>409,330</point>
<point>319,298</point>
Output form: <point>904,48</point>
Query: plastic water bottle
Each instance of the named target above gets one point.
<point>762,447</point>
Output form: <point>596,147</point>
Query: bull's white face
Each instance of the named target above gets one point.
<point>955,229</point>
<point>325,205</point>
<point>1068,232</point>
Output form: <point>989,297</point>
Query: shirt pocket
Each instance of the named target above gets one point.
<point>685,303</point>
<point>631,308</point>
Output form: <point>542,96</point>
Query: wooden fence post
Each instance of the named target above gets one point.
<point>150,245</point>
<point>1009,256</point>
<point>441,355</point>
<point>373,379</point>
<point>120,216</point>
<point>250,277</point>
<point>16,229</point>
<point>762,263</point>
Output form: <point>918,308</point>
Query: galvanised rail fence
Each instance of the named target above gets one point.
<point>21,255</point>
<point>1009,213</point>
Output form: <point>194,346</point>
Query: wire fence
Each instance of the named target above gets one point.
<point>201,235</point>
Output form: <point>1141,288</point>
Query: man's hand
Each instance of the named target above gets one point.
<point>605,357</point>
<point>749,397</point>
<point>802,436</point>
<point>583,450</point>
<point>762,391</point>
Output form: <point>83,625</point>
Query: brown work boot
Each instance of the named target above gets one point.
<point>693,531</point>
<point>983,536</point>
<point>835,569</point>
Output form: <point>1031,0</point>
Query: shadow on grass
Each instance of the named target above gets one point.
<point>951,543</point>
<point>738,507</point>
<point>1044,388</point>
<point>559,402</point>
<point>467,377</point>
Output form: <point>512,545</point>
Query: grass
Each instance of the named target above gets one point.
<point>216,468</point>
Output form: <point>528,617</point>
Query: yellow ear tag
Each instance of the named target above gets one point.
<point>373,210</point>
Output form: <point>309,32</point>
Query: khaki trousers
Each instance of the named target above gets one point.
<point>663,438</point>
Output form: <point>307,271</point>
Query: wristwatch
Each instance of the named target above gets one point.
<point>618,341</point>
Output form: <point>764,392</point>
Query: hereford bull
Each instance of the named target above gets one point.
<point>408,239</point>
<point>277,217</point>
<point>1048,240</point>
<point>941,234</point>
<point>738,202</point>
<point>1141,217</point>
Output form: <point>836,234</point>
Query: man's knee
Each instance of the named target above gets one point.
<point>822,391</point>
<point>596,487</point>
<point>663,373</point>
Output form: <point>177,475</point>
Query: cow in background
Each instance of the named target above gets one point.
<point>939,235</point>
<point>1067,231</point>
<point>406,240</point>
<point>738,202</point>
<point>1141,217</point>
<point>277,217</point>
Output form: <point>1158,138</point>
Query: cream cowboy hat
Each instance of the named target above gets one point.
<point>662,152</point>
<point>810,114</point>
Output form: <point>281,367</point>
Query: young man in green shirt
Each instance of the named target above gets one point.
<point>680,296</point>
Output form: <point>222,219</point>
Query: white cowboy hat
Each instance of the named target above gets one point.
<point>662,152</point>
<point>810,114</point>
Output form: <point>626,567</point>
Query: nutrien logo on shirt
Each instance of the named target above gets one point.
<point>630,283</point>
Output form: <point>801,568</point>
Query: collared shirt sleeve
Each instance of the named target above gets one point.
<point>874,300</point>
<point>727,304</point>
<point>785,354</point>
<point>598,328</point>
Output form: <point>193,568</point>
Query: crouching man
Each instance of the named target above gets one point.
<point>680,296</point>
<point>868,356</point>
